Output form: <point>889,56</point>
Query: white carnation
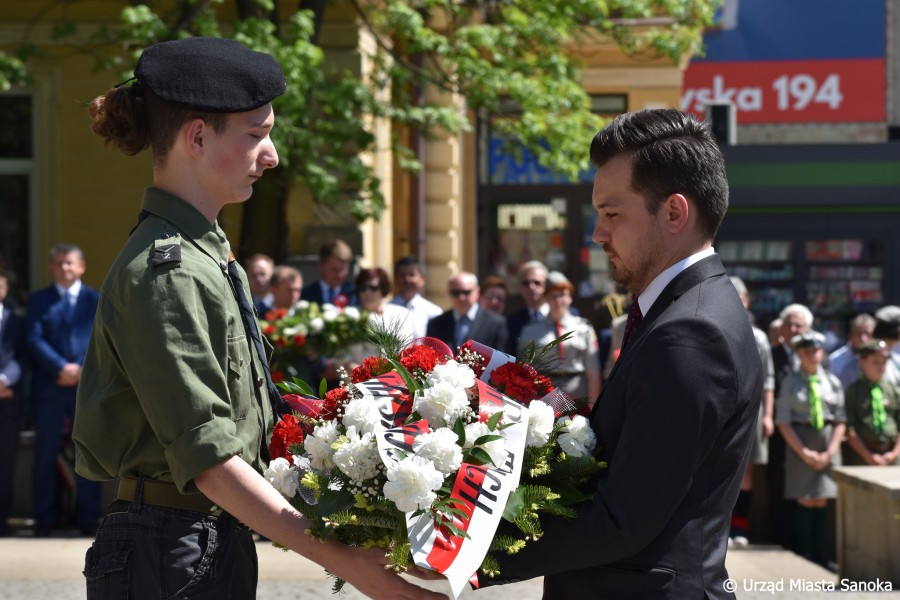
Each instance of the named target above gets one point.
<point>442,403</point>
<point>576,437</point>
<point>282,477</point>
<point>362,413</point>
<point>318,446</point>
<point>351,312</point>
<point>358,457</point>
<point>440,447</point>
<point>540,423</point>
<point>316,324</point>
<point>412,482</point>
<point>496,449</point>
<point>330,312</point>
<point>454,373</point>
<point>301,305</point>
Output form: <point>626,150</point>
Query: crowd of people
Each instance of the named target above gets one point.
<point>819,409</point>
<point>477,311</point>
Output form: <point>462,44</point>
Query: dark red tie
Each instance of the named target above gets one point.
<point>632,322</point>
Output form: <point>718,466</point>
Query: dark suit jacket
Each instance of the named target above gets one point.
<point>312,292</point>
<point>674,422</point>
<point>489,328</point>
<point>12,337</point>
<point>515,322</point>
<point>52,341</point>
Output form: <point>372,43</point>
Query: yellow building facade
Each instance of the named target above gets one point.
<point>70,188</point>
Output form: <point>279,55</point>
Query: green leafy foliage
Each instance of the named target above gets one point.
<point>507,59</point>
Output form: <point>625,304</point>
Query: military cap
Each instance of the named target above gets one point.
<point>808,339</point>
<point>887,323</point>
<point>873,347</point>
<point>211,75</point>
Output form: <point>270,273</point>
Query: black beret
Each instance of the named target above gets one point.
<point>873,347</point>
<point>212,75</point>
<point>808,339</point>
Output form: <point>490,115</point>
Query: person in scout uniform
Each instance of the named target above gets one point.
<point>810,415</point>
<point>873,410</point>
<point>577,368</point>
<point>176,401</point>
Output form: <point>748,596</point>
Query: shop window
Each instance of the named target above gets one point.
<point>528,232</point>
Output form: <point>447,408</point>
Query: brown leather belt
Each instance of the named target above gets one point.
<point>161,493</point>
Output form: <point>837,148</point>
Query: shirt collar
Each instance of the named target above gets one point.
<point>188,220</point>
<point>471,314</point>
<point>70,292</point>
<point>659,283</point>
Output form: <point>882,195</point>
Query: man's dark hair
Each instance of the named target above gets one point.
<point>408,261</point>
<point>671,153</point>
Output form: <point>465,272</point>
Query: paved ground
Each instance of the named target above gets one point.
<point>50,569</point>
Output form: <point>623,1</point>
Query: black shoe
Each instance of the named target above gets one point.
<point>43,531</point>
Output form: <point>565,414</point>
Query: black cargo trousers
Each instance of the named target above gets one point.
<point>153,552</point>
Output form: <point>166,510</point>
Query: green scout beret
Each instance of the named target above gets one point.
<point>211,75</point>
<point>808,339</point>
<point>872,347</point>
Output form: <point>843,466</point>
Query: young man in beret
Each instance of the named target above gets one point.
<point>176,400</point>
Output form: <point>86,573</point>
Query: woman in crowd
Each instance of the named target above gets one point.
<point>576,369</point>
<point>372,288</point>
<point>810,416</point>
<point>493,294</point>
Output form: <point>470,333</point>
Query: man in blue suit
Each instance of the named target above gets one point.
<point>12,329</point>
<point>58,327</point>
<point>335,258</point>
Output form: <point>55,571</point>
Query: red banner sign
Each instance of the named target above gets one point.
<point>788,91</point>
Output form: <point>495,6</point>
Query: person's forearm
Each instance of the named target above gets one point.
<point>768,404</point>
<point>858,446</point>
<point>238,489</point>
<point>836,437</point>
<point>791,438</point>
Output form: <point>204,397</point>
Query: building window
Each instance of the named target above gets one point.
<point>16,168</point>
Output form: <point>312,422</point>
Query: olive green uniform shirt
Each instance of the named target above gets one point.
<point>859,411</point>
<point>170,386</point>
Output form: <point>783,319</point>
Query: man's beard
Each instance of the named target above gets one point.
<point>636,279</point>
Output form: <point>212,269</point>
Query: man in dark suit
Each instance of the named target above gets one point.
<point>676,417</point>
<point>332,286</point>
<point>57,330</point>
<point>11,358</point>
<point>532,285</point>
<point>466,320</point>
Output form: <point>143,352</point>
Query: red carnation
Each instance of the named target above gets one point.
<point>333,399</point>
<point>277,376</point>
<point>517,381</point>
<point>299,340</point>
<point>287,432</point>
<point>467,355</point>
<point>421,357</point>
<point>544,385</point>
<point>341,301</point>
<point>269,330</point>
<point>372,366</point>
<point>275,314</point>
